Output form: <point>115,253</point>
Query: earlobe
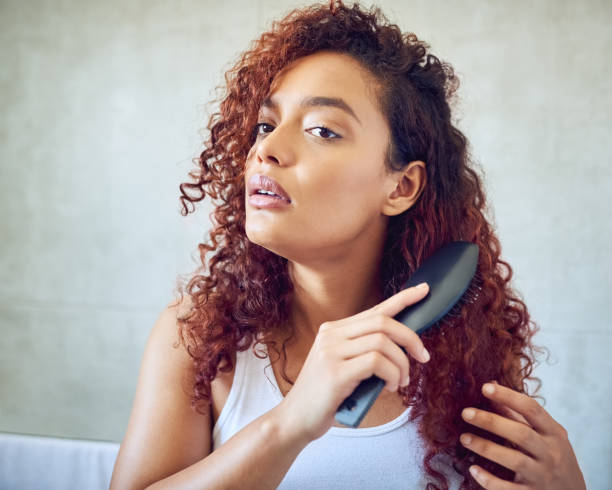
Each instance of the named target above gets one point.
<point>409,184</point>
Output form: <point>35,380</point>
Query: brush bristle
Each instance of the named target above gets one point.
<point>470,296</point>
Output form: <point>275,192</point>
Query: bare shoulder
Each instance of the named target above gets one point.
<point>164,347</point>
<point>221,385</point>
<point>164,434</point>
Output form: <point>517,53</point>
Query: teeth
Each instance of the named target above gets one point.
<point>261,191</point>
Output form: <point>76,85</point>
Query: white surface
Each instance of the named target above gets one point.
<point>48,463</point>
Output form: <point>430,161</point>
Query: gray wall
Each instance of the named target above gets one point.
<point>103,108</point>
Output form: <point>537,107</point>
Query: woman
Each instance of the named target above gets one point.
<point>337,171</point>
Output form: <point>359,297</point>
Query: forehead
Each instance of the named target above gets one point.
<point>325,74</point>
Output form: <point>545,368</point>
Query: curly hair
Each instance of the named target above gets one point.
<point>243,292</point>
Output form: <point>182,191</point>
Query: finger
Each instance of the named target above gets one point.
<point>520,434</point>
<point>383,344</point>
<point>523,404</point>
<point>506,411</point>
<point>372,363</point>
<point>509,413</point>
<point>507,457</point>
<point>389,307</point>
<point>406,338</point>
<point>491,482</point>
<point>396,303</point>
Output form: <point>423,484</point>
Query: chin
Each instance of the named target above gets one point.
<point>275,246</point>
<point>261,238</point>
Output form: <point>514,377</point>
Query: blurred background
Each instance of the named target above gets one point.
<point>104,107</point>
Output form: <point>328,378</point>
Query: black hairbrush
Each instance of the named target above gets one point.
<point>448,272</point>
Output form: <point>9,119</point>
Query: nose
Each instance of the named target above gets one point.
<point>265,155</point>
<point>274,148</point>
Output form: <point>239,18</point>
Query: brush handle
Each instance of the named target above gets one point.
<point>354,408</point>
<point>448,272</point>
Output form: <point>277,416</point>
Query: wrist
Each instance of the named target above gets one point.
<point>281,423</point>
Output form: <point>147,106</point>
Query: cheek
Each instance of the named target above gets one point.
<point>343,199</point>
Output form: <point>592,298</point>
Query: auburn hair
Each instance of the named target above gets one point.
<point>242,293</point>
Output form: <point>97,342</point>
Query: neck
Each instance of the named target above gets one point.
<point>334,290</point>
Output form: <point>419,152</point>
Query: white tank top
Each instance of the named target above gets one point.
<point>388,456</point>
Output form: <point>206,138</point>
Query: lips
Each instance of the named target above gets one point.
<point>264,185</point>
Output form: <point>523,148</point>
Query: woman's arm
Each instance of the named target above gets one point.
<point>547,460</point>
<point>258,456</point>
<point>168,445</point>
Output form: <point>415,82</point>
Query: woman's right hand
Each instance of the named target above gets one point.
<point>347,351</point>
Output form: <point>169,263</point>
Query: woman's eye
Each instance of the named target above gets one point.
<point>257,127</point>
<point>327,131</point>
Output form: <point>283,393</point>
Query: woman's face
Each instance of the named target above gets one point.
<point>328,157</point>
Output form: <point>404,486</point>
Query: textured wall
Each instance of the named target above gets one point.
<point>103,108</point>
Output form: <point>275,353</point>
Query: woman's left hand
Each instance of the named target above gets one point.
<point>545,460</point>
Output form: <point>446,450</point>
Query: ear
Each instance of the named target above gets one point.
<point>403,188</point>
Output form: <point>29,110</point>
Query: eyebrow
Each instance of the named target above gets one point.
<point>316,101</point>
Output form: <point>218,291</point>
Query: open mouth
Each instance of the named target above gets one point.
<point>265,186</point>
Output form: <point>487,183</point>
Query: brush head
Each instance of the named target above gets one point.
<point>449,272</point>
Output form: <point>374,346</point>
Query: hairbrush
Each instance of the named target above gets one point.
<point>448,271</point>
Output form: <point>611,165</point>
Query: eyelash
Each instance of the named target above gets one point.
<point>257,126</point>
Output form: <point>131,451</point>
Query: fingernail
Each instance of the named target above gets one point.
<point>406,381</point>
<point>469,413</point>
<point>465,439</point>
<point>488,388</point>
<point>425,355</point>
<point>423,285</point>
